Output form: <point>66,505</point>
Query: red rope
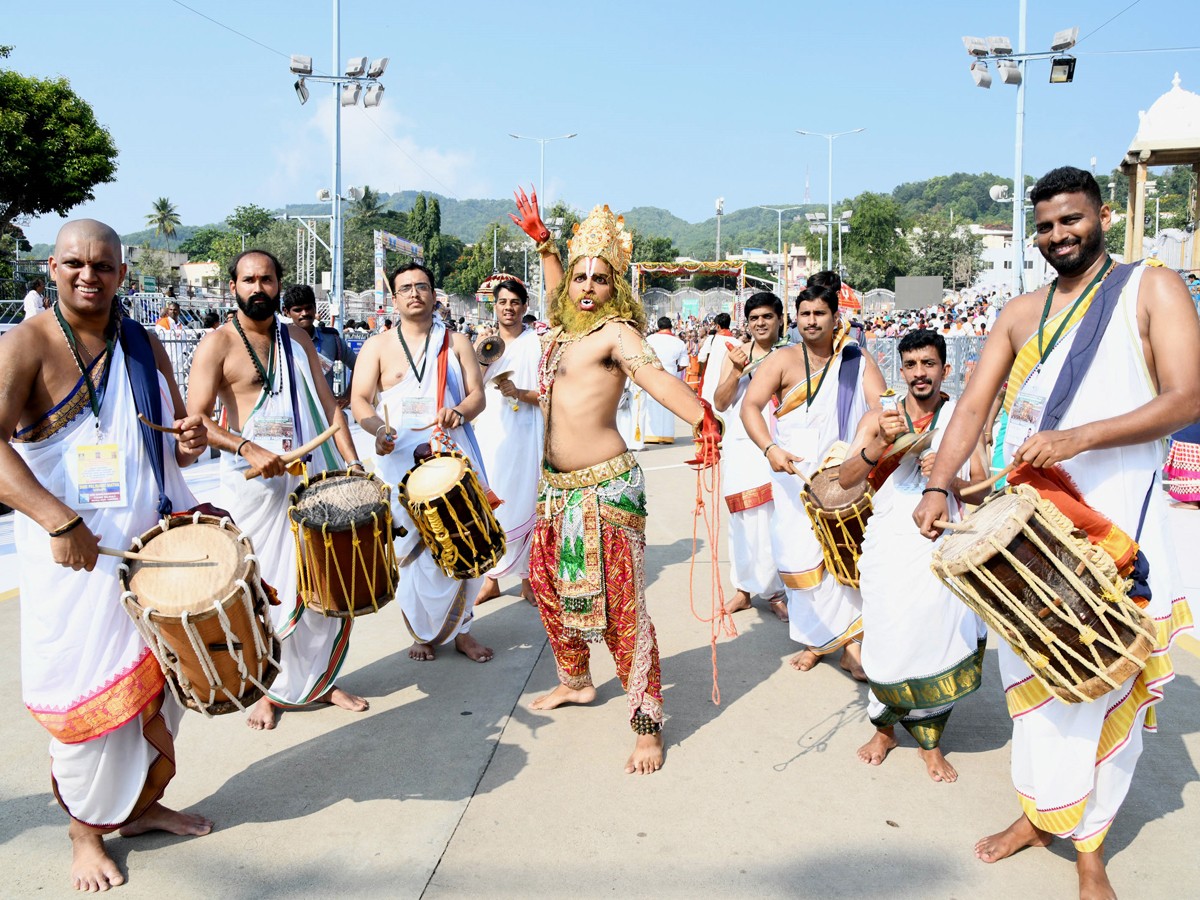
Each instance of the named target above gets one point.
<point>719,619</point>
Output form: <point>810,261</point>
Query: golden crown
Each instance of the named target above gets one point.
<point>602,235</point>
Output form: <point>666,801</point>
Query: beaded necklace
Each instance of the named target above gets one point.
<point>267,373</point>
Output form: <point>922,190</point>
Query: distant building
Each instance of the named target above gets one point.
<point>996,261</point>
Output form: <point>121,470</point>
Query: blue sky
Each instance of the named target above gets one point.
<point>675,103</point>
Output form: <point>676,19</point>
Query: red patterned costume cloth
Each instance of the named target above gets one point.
<point>587,567</point>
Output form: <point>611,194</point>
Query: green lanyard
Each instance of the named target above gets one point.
<point>1103,273</point>
<point>933,424</point>
<point>73,343</point>
<point>420,373</point>
<point>808,401</point>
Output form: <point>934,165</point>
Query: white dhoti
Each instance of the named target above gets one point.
<point>658,422</point>
<point>314,646</point>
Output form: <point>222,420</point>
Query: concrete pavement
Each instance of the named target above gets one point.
<point>450,786</point>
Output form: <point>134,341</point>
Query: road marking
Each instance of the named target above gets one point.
<point>9,595</point>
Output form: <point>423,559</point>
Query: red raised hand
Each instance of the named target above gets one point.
<point>530,221</point>
<point>707,436</point>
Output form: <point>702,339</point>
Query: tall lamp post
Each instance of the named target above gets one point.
<point>347,88</point>
<point>542,142</point>
<point>830,136</point>
<point>720,212</point>
<point>1010,67</point>
<point>779,232</point>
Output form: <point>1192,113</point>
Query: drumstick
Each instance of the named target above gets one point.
<point>163,428</point>
<point>946,525</point>
<point>387,424</point>
<point>127,554</point>
<point>303,451</point>
<point>984,486</point>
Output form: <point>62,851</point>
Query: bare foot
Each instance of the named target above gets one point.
<point>778,605</point>
<point>875,751</point>
<point>92,869</point>
<point>527,592</point>
<point>936,765</point>
<point>1017,836</point>
<point>1185,504</point>
<point>423,652</point>
<point>338,697</point>
<point>263,715</point>
<point>472,649</point>
<point>647,756</point>
<point>852,661</point>
<point>1093,878</point>
<point>563,694</point>
<point>159,818</point>
<point>804,660</point>
<point>489,590</point>
<point>738,602</point>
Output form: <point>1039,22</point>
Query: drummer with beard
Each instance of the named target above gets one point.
<point>922,648</point>
<point>268,378</point>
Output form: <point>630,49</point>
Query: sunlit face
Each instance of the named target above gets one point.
<point>510,308</point>
<point>88,270</point>
<point>305,315</point>
<point>923,371</point>
<point>413,296</point>
<point>815,320</point>
<point>764,325</point>
<point>591,284</point>
<point>256,287</point>
<point>1070,231</point>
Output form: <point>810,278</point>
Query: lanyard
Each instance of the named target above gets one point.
<point>1087,291</point>
<point>72,342</point>
<point>808,401</point>
<point>420,373</point>
<point>936,412</point>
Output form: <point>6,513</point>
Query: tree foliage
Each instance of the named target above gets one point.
<point>875,251</point>
<point>250,220</point>
<point>53,152</point>
<point>952,253</point>
<point>164,218</point>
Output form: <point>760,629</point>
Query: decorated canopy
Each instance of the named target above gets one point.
<point>688,267</point>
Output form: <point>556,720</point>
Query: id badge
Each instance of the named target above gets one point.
<point>417,412</point>
<point>1024,418</point>
<point>96,476</point>
<point>804,444</point>
<point>275,433</point>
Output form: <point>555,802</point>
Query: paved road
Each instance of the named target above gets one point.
<point>450,786</point>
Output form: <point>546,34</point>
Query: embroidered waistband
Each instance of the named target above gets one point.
<point>597,474</point>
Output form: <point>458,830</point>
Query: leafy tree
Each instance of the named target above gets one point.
<point>476,262</point>
<point>152,263</point>
<point>200,245</point>
<point>250,220</point>
<point>367,207</point>
<point>1114,239</point>
<point>875,250</point>
<point>165,218</point>
<point>954,254</point>
<point>650,248</point>
<point>53,152</point>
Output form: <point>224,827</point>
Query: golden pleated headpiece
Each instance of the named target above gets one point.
<point>602,235</point>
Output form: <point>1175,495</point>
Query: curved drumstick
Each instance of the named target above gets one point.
<point>295,455</point>
<point>154,425</point>
<point>947,525</point>
<point>138,557</point>
<point>981,488</point>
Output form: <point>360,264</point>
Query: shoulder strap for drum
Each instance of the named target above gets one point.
<point>847,382</point>
<point>285,340</point>
<point>143,379</point>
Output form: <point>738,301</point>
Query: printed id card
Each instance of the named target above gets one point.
<point>417,412</point>
<point>96,476</point>
<point>275,433</point>
<point>1024,418</point>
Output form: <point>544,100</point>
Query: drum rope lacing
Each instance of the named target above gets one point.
<point>844,573</point>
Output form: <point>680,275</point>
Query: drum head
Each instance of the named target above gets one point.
<point>189,587</point>
<point>434,477</point>
<point>339,501</point>
<point>1000,518</point>
<point>829,493</point>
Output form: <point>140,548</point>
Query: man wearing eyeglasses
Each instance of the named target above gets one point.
<point>413,378</point>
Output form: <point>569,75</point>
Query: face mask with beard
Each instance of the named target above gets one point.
<point>260,306</point>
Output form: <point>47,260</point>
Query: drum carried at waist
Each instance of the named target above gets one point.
<point>839,516</point>
<point>1056,598</point>
<point>345,558</point>
<point>206,622</point>
<point>453,516</point>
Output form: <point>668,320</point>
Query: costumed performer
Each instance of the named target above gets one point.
<point>1101,366</point>
<point>80,469</point>
<point>421,376</point>
<point>268,378</point>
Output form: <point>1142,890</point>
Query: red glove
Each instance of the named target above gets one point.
<point>707,435</point>
<point>531,218</point>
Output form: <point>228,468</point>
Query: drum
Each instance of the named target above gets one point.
<point>346,562</point>
<point>1053,596</point>
<point>839,516</point>
<point>452,514</point>
<point>206,622</point>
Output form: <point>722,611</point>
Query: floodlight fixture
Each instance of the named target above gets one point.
<point>976,46</point>
<point>720,205</point>
<point>979,71</point>
<point>354,193</point>
<point>373,95</point>
<point>846,214</point>
<point>812,217</point>
<point>999,46</point>
<point>1062,70</point>
<point>1009,71</point>
<point>356,66</point>
<point>377,67</point>
<point>1065,39</point>
<point>350,92</point>
<point>301,91</point>
<point>999,193</point>
<point>300,65</point>
<point>324,195</point>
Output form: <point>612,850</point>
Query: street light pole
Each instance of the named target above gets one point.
<point>829,136</point>
<point>542,142</point>
<point>779,230</point>
<point>335,227</point>
<point>1019,167</point>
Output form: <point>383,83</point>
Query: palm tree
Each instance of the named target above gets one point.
<point>164,218</point>
<point>368,206</point>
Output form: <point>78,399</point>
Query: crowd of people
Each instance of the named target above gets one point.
<point>1094,370</point>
